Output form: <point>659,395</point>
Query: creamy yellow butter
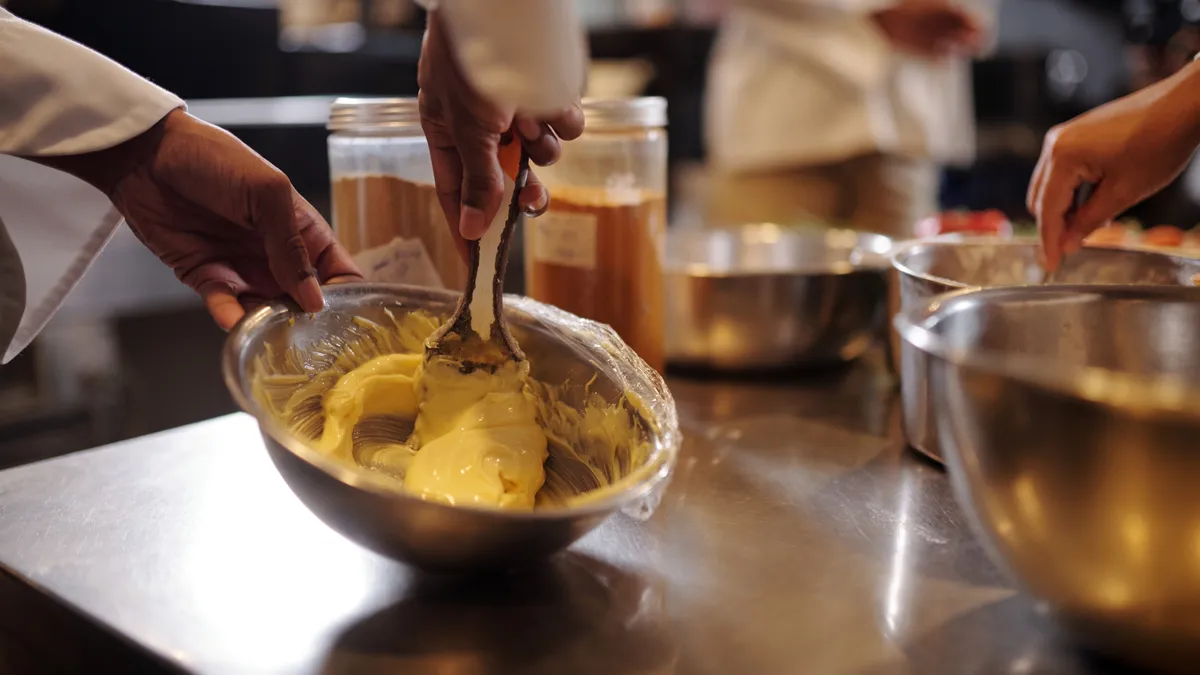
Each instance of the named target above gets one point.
<point>476,441</point>
<point>382,386</point>
<point>371,400</point>
<point>477,436</point>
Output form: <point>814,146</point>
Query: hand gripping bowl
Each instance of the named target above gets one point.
<point>1071,429</point>
<point>371,510</point>
<point>922,270</point>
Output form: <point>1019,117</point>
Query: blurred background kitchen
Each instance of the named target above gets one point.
<point>134,352</point>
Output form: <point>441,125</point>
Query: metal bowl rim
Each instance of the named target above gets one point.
<point>905,250</point>
<point>642,481</point>
<point>687,269</point>
<point>1135,394</point>
<point>902,252</point>
<point>834,270</point>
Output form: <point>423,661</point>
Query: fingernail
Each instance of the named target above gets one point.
<point>530,130</point>
<point>472,223</point>
<point>228,316</point>
<point>536,209</point>
<point>309,295</point>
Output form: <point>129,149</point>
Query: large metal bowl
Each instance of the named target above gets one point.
<point>373,512</point>
<point>923,270</point>
<point>1069,419</point>
<point>764,296</point>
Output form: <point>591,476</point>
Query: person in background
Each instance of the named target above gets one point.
<point>488,68</point>
<point>838,111</point>
<point>85,143</point>
<point>1129,149</point>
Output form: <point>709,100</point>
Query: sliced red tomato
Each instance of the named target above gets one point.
<point>992,220</point>
<point>989,223</point>
<point>1167,236</point>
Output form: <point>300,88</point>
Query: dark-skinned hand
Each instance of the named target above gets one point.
<point>465,132</point>
<point>227,222</point>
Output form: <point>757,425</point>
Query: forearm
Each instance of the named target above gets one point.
<point>58,97</point>
<point>530,54</point>
<point>1178,97</point>
<point>105,168</point>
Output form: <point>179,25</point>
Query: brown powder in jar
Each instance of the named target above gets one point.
<point>370,210</point>
<point>596,253</point>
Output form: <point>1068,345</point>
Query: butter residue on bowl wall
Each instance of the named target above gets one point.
<point>509,442</point>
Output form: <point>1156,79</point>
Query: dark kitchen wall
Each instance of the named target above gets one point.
<point>197,50</point>
<point>223,48</point>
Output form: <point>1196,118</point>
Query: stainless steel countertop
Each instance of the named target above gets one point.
<point>799,536</point>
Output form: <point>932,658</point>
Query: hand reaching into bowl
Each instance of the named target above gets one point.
<point>1129,149</point>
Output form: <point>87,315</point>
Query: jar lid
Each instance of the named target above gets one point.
<point>624,113</point>
<point>378,114</point>
<point>361,114</point>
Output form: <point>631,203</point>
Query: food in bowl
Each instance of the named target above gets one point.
<point>370,401</point>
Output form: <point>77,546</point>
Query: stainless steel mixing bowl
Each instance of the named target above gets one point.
<point>370,510</point>
<point>1070,417</point>
<point>764,296</point>
<point>923,270</point>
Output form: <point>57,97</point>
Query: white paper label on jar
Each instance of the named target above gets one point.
<point>400,261</point>
<point>559,238</point>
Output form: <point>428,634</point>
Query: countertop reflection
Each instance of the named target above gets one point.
<point>798,536</point>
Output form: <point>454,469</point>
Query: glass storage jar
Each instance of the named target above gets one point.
<point>385,208</point>
<point>597,251</point>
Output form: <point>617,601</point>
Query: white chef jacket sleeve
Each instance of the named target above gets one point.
<point>57,97</point>
<point>836,35</point>
<point>531,54</point>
